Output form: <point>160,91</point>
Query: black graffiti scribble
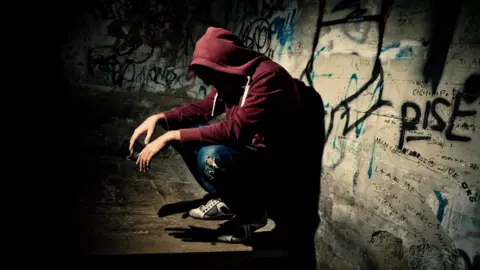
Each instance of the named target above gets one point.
<point>123,69</point>
<point>309,67</point>
<point>377,72</point>
<point>139,28</point>
<point>167,77</point>
<point>257,36</point>
<point>151,21</point>
<point>114,62</point>
<point>356,12</point>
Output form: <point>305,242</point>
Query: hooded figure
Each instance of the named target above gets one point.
<point>257,95</point>
<point>236,160</point>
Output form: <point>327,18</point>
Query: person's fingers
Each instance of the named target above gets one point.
<point>139,158</point>
<point>132,140</point>
<point>149,159</point>
<point>149,136</point>
<point>145,161</point>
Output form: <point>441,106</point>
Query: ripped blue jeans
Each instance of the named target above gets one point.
<point>209,163</point>
<point>236,175</point>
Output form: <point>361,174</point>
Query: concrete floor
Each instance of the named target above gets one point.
<point>120,210</point>
<point>114,212</point>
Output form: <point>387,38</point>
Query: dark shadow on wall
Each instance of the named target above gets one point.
<point>471,88</point>
<point>309,67</point>
<point>445,15</point>
<point>304,214</point>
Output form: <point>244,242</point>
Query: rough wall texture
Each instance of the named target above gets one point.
<point>400,83</point>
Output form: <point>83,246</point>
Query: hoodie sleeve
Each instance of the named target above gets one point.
<point>198,111</point>
<point>263,97</point>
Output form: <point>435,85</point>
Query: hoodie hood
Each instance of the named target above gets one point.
<point>221,50</point>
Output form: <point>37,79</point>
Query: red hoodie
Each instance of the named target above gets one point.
<point>266,106</point>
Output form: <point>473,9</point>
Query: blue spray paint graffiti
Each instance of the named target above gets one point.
<point>442,202</point>
<point>355,78</point>
<point>259,34</point>
<point>312,74</point>
<point>391,46</point>
<point>283,28</point>
<point>202,89</point>
<point>370,166</point>
<point>359,127</point>
<point>403,53</point>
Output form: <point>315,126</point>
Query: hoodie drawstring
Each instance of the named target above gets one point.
<point>245,93</point>
<point>214,101</point>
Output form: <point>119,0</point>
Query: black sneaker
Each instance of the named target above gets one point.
<point>237,230</point>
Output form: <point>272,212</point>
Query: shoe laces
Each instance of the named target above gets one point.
<point>205,208</point>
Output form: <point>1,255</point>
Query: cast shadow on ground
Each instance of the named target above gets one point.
<point>261,240</point>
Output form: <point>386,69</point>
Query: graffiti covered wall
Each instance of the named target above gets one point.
<point>399,147</point>
<point>400,83</point>
<point>126,45</point>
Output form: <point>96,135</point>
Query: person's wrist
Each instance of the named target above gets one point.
<point>173,135</point>
<point>158,117</point>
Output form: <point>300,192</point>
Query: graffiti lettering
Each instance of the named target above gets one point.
<point>401,182</point>
<point>469,192</point>
<point>472,165</point>
<point>410,123</point>
<point>423,92</point>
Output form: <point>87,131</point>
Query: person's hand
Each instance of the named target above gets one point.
<point>151,149</point>
<point>148,126</point>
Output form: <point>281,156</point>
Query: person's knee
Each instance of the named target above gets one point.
<point>213,160</point>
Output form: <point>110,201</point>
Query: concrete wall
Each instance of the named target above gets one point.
<point>401,176</point>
